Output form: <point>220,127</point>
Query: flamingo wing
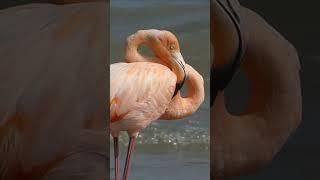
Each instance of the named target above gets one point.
<point>140,90</point>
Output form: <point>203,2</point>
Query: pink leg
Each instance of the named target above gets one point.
<point>116,157</point>
<point>132,143</point>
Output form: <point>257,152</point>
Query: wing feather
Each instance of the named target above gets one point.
<point>140,90</point>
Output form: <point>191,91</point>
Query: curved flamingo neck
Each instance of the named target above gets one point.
<point>133,42</point>
<point>249,141</point>
<point>132,54</point>
<point>272,67</point>
<point>151,37</point>
<point>180,106</point>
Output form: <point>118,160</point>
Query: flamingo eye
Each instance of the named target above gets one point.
<point>171,47</point>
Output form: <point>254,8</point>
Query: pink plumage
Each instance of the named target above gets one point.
<point>139,93</point>
<point>147,88</point>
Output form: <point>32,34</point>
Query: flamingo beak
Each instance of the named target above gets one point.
<point>182,75</point>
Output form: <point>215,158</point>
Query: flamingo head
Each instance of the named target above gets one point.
<point>166,47</point>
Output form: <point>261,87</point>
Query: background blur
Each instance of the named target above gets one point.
<point>61,108</point>
<point>168,149</point>
<point>9,3</point>
<point>298,22</point>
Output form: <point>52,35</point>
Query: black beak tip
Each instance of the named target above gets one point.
<point>179,85</point>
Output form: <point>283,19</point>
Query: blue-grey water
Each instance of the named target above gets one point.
<point>168,149</point>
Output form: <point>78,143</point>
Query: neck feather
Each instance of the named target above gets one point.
<point>180,106</point>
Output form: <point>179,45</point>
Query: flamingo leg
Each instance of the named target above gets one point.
<point>132,143</point>
<point>116,157</point>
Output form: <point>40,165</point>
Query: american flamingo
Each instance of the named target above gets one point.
<point>143,91</point>
<point>243,143</point>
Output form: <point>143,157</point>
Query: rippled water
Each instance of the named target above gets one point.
<point>189,21</point>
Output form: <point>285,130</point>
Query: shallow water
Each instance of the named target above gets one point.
<point>176,149</point>
<point>178,165</point>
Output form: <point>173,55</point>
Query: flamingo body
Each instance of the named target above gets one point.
<point>147,88</point>
<point>139,94</point>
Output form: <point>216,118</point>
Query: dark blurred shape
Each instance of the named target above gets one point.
<point>298,22</point>
<point>54,91</point>
<point>67,1</point>
<point>10,3</point>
